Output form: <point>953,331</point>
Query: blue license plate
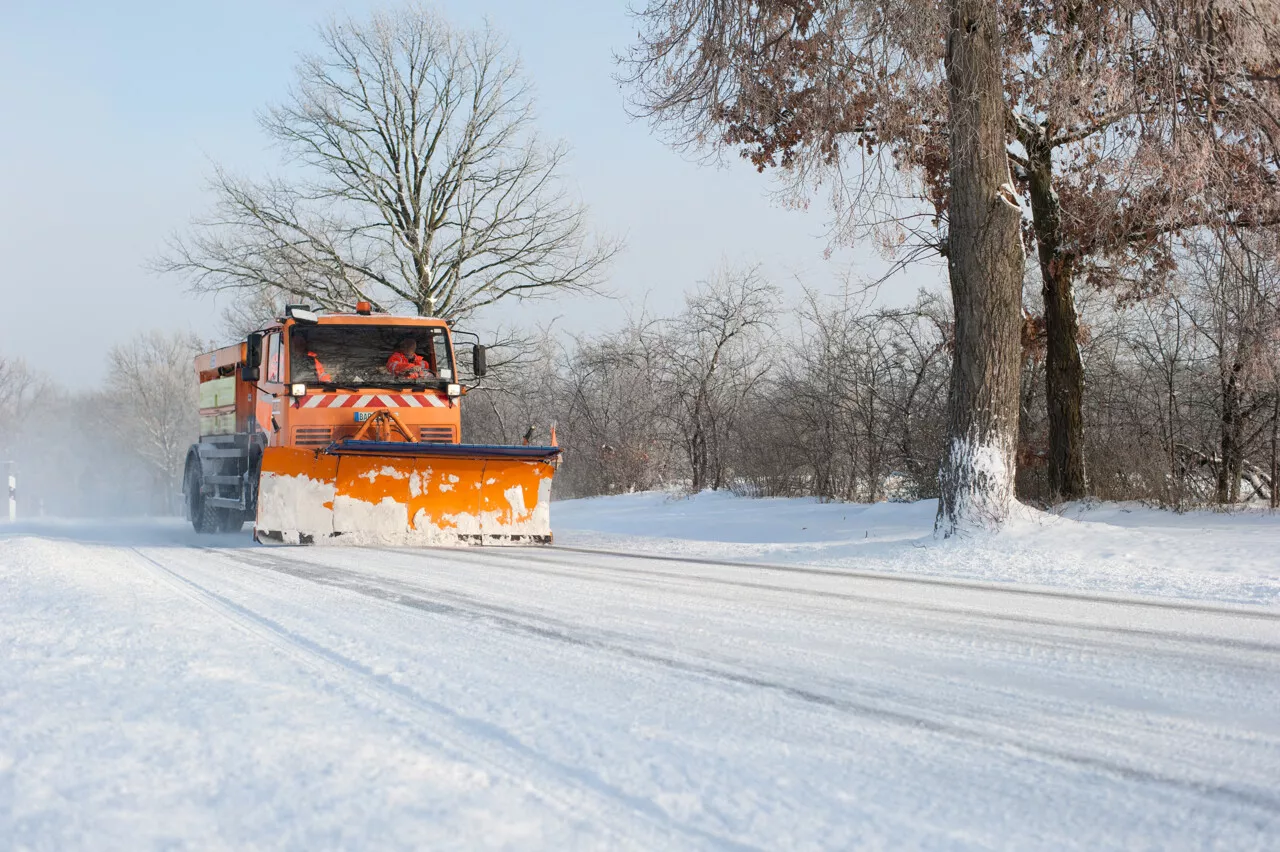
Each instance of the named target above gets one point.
<point>362,416</point>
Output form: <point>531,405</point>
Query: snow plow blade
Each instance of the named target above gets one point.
<point>406,494</point>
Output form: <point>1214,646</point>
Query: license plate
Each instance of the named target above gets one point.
<point>362,416</point>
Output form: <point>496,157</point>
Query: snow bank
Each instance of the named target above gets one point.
<point>1122,549</point>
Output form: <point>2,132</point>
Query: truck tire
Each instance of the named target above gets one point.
<point>204,518</point>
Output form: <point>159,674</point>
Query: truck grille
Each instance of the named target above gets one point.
<point>436,434</point>
<point>312,436</point>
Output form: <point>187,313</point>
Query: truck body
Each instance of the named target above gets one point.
<point>306,430</point>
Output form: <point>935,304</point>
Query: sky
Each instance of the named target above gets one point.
<point>114,115</point>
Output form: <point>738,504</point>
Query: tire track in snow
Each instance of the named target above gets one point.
<point>514,621</point>
<point>612,807</point>
<point>943,582</point>
<point>949,633</point>
<point>584,571</point>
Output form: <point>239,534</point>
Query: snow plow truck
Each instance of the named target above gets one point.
<point>311,429</point>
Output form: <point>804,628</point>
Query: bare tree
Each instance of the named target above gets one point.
<point>1233,305</point>
<point>1183,386</point>
<point>857,410</point>
<point>819,397</point>
<point>418,183</point>
<point>716,353</point>
<point>914,346</point>
<point>18,387</point>
<point>518,395</point>
<point>1163,346</point>
<point>153,406</point>
<point>617,409</point>
<point>253,311</point>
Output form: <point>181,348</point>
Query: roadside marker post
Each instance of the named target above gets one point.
<point>13,492</point>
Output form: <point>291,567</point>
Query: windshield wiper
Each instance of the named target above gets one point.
<point>397,387</point>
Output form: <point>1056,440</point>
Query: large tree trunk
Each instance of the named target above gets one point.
<point>1064,372</point>
<point>985,260</point>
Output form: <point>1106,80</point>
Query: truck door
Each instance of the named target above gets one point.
<point>269,410</point>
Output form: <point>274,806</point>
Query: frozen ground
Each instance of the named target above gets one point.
<point>159,690</point>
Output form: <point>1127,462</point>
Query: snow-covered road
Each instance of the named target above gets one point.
<point>155,693</point>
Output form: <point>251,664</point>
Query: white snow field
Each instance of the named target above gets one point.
<point>164,690</point>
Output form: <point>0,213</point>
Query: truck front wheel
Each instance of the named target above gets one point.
<point>204,518</point>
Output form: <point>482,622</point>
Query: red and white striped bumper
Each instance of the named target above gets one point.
<point>373,400</point>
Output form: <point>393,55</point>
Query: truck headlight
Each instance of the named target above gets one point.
<point>297,390</point>
<point>453,390</point>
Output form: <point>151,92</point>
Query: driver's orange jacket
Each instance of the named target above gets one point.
<point>401,365</point>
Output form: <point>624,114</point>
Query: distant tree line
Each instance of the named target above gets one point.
<point>843,400</point>
<point>833,397</point>
<point>112,451</point>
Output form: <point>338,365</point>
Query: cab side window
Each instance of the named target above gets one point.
<point>274,358</point>
<point>440,356</point>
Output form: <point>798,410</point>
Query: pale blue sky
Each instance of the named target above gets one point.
<point>110,114</point>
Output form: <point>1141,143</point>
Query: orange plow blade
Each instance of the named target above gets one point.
<point>403,493</point>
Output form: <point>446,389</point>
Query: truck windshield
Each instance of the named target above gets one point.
<point>362,355</point>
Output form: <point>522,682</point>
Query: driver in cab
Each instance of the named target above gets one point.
<point>406,365</point>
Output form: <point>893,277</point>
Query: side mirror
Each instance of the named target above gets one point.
<point>250,370</point>
<point>479,366</point>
